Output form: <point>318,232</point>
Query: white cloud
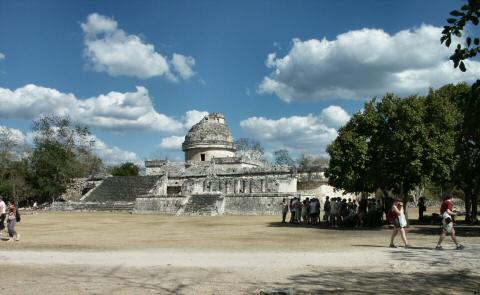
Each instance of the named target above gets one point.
<point>183,65</point>
<point>112,50</point>
<point>193,117</point>
<point>364,63</point>
<point>172,142</point>
<point>112,111</point>
<point>2,56</point>
<point>112,155</point>
<point>297,133</point>
<point>334,116</point>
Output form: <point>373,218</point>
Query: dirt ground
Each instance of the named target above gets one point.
<point>120,253</point>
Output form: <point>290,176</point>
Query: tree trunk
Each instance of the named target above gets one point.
<point>474,208</point>
<point>468,203</point>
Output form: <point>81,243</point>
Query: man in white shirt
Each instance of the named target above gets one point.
<point>2,214</point>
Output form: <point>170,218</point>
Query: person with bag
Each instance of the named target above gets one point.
<point>447,213</point>
<point>13,217</point>
<point>396,216</point>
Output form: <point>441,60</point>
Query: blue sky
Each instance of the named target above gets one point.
<point>287,73</point>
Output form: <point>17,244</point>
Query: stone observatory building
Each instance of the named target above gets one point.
<point>211,181</point>
<point>210,138</point>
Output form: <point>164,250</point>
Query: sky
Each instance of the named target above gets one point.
<point>286,73</point>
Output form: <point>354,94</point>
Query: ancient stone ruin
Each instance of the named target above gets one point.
<point>211,181</point>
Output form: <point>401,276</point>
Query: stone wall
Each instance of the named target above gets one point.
<point>265,204</point>
<point>159,205</point>
<point>92,206</point>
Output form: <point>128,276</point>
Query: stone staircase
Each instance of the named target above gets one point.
<point>122,188</point>
<point>201,205</point>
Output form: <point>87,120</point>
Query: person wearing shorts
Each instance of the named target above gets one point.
<point>447,213</point>
<point>399,223</point>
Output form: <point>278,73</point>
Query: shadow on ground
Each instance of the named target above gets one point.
<point>461,230</point>
<point>324,226</point>
<point>358,282</point>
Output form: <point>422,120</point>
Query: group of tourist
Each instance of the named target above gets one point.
<point>306,211</point>
<point>338,211</point>
<point>10,216</point>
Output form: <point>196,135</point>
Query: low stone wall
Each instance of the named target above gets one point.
<point>253,204</point>
<point>92,206</point>
<point>159,205</point>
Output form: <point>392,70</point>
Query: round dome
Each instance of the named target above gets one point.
<point>211,132</point>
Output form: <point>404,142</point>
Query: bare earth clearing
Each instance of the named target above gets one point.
<point>106,253</point>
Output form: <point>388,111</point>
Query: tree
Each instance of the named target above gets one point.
<point>13,168</point>
<point>126,169</point>
<point>394,145</point>
<point>249,148</point>
<point>282,157</point>
<point>459,19</point>
<point>54,162</point>
<point>467,170</point>
<point>306,161</point>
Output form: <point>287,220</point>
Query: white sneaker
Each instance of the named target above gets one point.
<point>17,238</point>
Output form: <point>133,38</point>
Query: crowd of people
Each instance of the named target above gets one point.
<point>9,216</point>
<point>367,212</point>
<point>336,211</point>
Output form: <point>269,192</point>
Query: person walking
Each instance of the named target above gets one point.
<point>12,220</point>
<point>447,213</point>
<point>3,215</point>
<point>284,205</point>
<point>397,218</point>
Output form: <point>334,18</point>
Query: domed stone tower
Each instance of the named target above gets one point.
<point>209,138</point>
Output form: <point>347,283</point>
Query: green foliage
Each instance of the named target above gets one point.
<point>397,144</point>
<point>468,13</point>
<point>282,157</point>
<point>55,160</point>
<point>126,169</point>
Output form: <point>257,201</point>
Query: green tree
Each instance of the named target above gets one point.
<point>395,145</point>
<point>282,157</point>
<point>468,13</point>
<point>126,169</point>
<point>54,162</point>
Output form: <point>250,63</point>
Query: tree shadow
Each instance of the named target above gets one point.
<point>324,226</point>
<point>359,282</point>
<point>460,230</point>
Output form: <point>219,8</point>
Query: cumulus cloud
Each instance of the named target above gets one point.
<point>172,142</point>
<point>311,133</point>
<point>2,56</point>
<point>110,49</point>
<point>112,111</point>
<point>183,65</point>
<point>112,155</point>
<point>364,63</point>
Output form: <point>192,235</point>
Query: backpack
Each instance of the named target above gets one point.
<point>391,216</point>
<point>17,216</point>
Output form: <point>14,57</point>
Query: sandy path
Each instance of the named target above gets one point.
<point>101,253</point>
<point>143,259</point>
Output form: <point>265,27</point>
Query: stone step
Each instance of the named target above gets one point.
<point>201,205</point>
<point>123,188</point>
